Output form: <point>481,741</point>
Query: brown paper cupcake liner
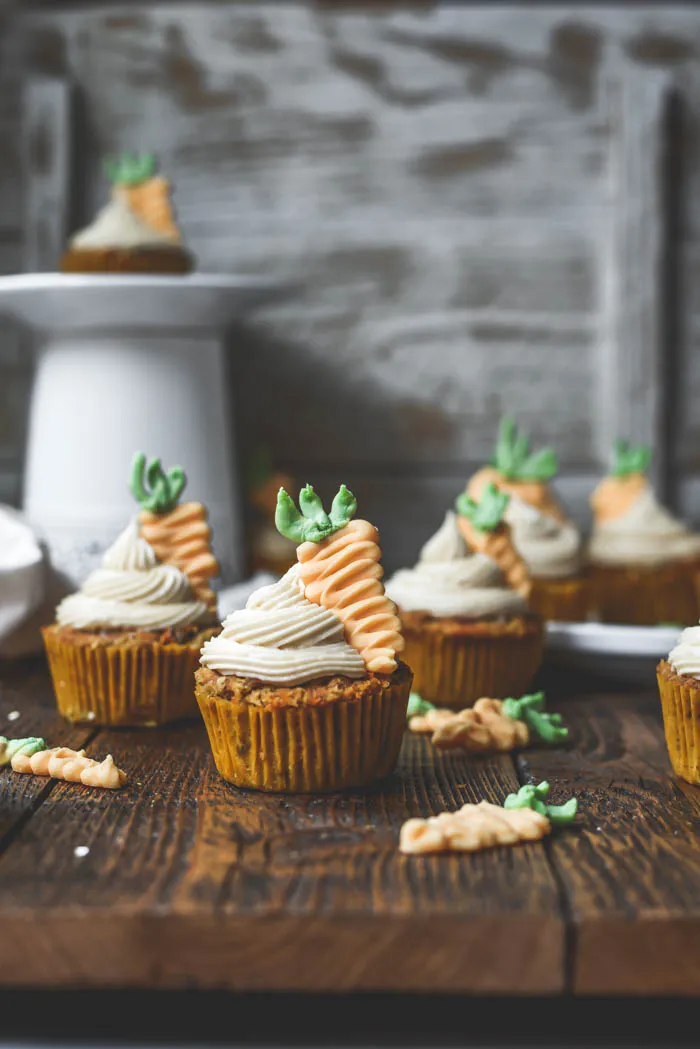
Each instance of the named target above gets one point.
<point>312,748</point>
<point>454,670</point>
<point>647,596</point>
<point>566,600</point>
<point>680,705</point>
<point>126,260</point>
<point>135,683</point>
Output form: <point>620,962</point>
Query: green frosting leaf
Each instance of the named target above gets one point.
<point>514,460</point>
<point>629,459</point>
<point>487,514</point>
<point>530,709</point>
<point>129,169</point>
<point>417,706</point>
<point>534,797</point>
<point>29,745</point>
<point>165,489</point>
<point>313,524</point>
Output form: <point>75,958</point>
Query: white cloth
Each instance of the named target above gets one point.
<point>23,584</point>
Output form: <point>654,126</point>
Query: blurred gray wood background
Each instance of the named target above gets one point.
<point>488,209</point>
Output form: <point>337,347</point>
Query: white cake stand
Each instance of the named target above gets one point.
<point>126,363</point>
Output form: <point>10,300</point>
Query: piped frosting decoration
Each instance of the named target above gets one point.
<point>484,530</point>
<point>631,527</point>
<point>132,590</point>
<point>451,581</point>
<point>328,615</point>
<point>138,214</point>
<point>178,532</point>
<point>685,656</point>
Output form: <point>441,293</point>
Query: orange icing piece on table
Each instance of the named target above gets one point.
<point>481,729</point>
<point>343,574</point>
<point>498,545</point>
<point>182,538</point>
<point>615,495</point>
<point>471,828</point>
<point>73,766</point>
<point>534,493</point>
<point>150,201</point>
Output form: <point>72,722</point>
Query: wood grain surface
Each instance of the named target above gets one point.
<point>190,883</point>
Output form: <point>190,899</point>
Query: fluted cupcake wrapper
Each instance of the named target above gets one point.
<point>456,670</point>
<point>567,600</point>
<point>306,749</point>
<point>647,596</point>
<point>134,683</point>
<point>680,705</point>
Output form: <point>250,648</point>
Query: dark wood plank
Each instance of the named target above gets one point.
<point>189,881</point>
<point>631,871</point>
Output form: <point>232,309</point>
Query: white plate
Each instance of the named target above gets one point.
<point>622,652</point>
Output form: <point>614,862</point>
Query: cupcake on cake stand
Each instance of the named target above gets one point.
<point>130,354</point>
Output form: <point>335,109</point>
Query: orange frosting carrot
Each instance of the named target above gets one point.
<point>342,573</point>
<point>498,545</point>
<point>150,201</point>
<point>535,493</point>
<point>182,538</point>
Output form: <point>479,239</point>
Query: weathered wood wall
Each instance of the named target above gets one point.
<point>475,200</point>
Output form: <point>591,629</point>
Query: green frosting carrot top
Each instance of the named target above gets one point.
<point>534,797</point>
<point>417,706</point>
<point>9,747</point>
<point>165,489</point>
<point>129,169</point>
<point>514,459</point>
<point>629,459</point>
<point>530,709</point>
<point>313,524</point>
<point>487,514</point>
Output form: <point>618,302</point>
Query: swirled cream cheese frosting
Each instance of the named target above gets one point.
<point>645,534</point>
<point>685,657</point>
<point>282,638</point>
<point>132,590</point>
<point>117,226</point>
<point>551,548</point>
<point>449,581</point>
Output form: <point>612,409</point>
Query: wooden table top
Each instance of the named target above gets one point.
<point>190,883</point>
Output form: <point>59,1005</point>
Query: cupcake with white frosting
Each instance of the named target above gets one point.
<point>679,687</point>
<point>467,626</point>
<point>124,648</point>
<point>135,232</point>
<point>548,541</point>
<point>303,690</point>
<point>645,561</point>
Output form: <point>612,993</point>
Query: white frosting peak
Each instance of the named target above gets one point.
<point>685,657</point>
<point>449,581</point>
<point>647,534</point>
<point>117,226</point>
<point>132,590</point>
<point>282,638</point>
<point>550,548</point>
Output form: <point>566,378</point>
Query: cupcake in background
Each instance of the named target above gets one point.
<point>464,609</point>
<point>645,561</point>
<point>548,541</point>
<point>270,551</point>
<point>124,648</point>
<point>679,687</point>
<point>303,690</point>
<point>135,232</point>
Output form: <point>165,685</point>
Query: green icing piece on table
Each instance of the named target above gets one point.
<point>534,797</point>
<point>487,514</point>
<point>514,459</point>
<point>9,747</point>
<point>417,706</point>
<point>313,524</point>
<point>165,489</point>
<point>630,459</point>
<point>530,709</point>
<point>129,169</point>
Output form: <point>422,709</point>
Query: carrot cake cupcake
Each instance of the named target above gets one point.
<point>645,562</point>
<point>124,648</point>
<point>466,622</point>
<point>136,231</point>
<point>303,690</point>
<point>547,540</point>
<point>679,688</point>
